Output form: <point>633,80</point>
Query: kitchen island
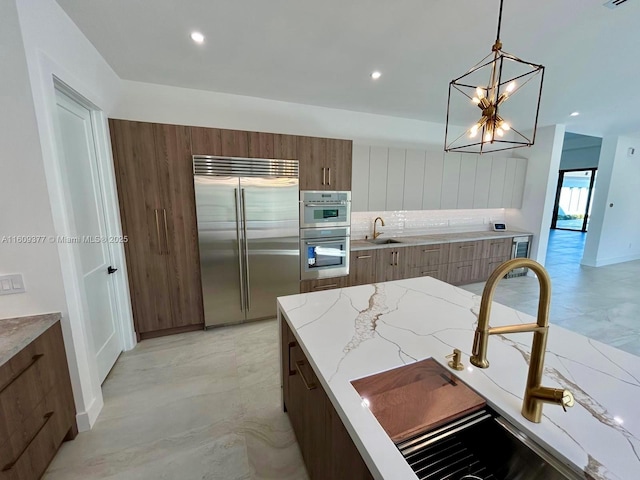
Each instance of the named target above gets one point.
<point>354,332</point>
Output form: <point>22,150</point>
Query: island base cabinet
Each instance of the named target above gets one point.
<point>326,446</point>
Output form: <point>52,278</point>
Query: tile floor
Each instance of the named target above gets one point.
<point>207,405</point>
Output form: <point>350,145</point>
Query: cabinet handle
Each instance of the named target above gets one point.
<point>324,175</point>
<point>329,175</point>
<point>33,361</point>
<point>325,287</point>
<point>397,257</point>
<point>166,231</point>
<point>363,256</point>
<point>155,211</point>
<point>10,465</point>
<point>291,345</point>
<point>464,266</point>
<point>307,384</point>
<point>468,246</point>
<point>428,272</point>
<point>393,256</point>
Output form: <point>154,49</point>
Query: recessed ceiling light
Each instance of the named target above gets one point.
<point>575,114</point>
<point>376,75</point>
<point>197,37</point>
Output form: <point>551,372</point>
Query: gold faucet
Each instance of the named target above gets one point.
<point>535,394</point>
<point>377,234</point>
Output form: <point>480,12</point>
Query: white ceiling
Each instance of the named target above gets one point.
<point>322,52</point>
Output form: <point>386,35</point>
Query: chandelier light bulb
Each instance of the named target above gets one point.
<point>500,132</point>
<point>475,100</point>
<point>487,137</point>
<point>505,126</point>
<point>511,87</point>
<point>480,93</point>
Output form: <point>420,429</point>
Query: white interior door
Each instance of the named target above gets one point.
<point>82,178</point>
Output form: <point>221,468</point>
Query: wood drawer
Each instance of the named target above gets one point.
<point>488,265</point>
<point>441,272</point>
<point>307,286</point>
<point>464,251</point>
<point>498,248</point>
<point>430,255</point>
<point>468,271</point>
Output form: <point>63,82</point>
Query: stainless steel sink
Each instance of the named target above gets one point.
<point>483,446</point>
<point>383,241</point>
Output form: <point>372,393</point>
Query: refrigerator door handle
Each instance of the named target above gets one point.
<point>246,253</point>
<point>240,269</point>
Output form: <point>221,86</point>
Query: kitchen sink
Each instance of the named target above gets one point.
<point>481,446</point>
<point>383,241</point>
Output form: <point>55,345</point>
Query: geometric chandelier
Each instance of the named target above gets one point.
<point>490,109</point>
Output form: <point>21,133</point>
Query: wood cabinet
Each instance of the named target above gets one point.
<point>37,406</point>
<point>154,175</point>
<point>363,266</point>
<point>325,163</point>
<point>407,179</point>
<point>217,141</point>
<point>327,448</point>
<point>393,264</point>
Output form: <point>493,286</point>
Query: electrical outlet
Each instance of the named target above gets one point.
<point>10,284</point>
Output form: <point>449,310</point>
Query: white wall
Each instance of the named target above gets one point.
<point>165,104</point>
<point>23,189</point>
<point>539,189</point>
<point>53,46</point>
<point>614,229</point>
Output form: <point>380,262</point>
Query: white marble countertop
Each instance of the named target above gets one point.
<point>354,332</point>
<point>435,238</point>
<point>16,333</point>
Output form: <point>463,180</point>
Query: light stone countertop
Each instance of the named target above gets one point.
<point>414,240</point>
<point>16,333</point>
<point>355,332</point>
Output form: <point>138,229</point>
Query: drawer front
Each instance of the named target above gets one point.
<point>440,272</point>
<point>461,273</point>
<point>490,264</point>
<point>307,286</point>
<point>430,255</point>
<point>464,251</point>
<point>497,248</point>
<point>28,460</point>
<point>362,269</point>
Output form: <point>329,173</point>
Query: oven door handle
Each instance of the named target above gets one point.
<point>323,242</point>
<point>332,204</point>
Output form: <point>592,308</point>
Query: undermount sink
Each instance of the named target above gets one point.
<point>446,431</point>
<point>481,446</point>
<point>383,241</point>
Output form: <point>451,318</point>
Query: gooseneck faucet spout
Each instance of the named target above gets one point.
<point>377,234</point>
<point>535,394</point>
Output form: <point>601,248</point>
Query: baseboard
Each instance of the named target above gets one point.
<point>610,261</point>
<point>87,419</point>
<point>171,331</point>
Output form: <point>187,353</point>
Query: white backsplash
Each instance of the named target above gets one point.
<point>403,223</point>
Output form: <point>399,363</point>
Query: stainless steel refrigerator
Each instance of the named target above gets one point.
<point>247,211</point>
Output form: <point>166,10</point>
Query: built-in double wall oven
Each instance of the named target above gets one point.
<point>325,227</point>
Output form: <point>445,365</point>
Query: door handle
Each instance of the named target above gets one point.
<point>329,175</point>
<point>155,211</point>
<point>240,248</point>
<point>166,231</point>
<point>246,251</point>
<point>111,270</point>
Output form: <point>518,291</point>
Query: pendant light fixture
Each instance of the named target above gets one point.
<point>500,114</point>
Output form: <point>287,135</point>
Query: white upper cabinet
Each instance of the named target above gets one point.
<point>395,179</point>
<point>378,165</point>
<point>413,180</point>
<point>360,178</point>
<point>387,179</point>
<point>433,170</point>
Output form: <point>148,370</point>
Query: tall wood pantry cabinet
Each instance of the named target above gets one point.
<point>154,176</point>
